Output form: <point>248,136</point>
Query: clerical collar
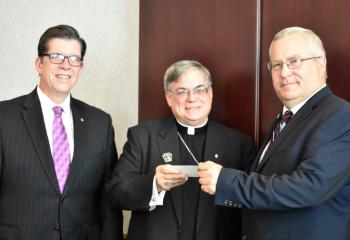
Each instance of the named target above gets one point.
<point>191,130</point>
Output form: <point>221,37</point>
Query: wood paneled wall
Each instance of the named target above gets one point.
<point>231,38</point>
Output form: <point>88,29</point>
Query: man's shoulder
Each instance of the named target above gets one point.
<point>89,109</point>
<point>225,130</point>
<point>152,125</point>
<point>12,104</point>
<point>335,100</point>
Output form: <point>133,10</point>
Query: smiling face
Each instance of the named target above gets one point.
<point>191,109</point>
<point>293,86</point>
<point>57,80</point>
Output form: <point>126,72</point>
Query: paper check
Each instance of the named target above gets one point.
<point>189,170</point>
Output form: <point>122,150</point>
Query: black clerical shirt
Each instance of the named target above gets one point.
<point>191,189</point>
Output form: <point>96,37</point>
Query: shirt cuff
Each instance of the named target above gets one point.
<point>157,198</point>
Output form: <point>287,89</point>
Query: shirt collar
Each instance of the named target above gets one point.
<point>296,108</point>
<point>192,130</point>
<point>47,104</point>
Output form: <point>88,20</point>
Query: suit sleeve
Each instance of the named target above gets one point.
<point>322,170</point>
<point>131,185</point>
<point>112,228</point>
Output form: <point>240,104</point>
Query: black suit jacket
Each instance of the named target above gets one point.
<point>131,187</point>
<point>301,188</point>
<point>31,205</point>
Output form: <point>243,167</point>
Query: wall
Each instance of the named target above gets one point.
<point>231,38</point>
<point>110,28</point>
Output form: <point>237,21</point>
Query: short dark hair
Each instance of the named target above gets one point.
<point>60,31</point>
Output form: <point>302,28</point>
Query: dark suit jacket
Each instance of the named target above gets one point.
<point>31,205</point>
<point>301,188</point>
<point>131,187</point>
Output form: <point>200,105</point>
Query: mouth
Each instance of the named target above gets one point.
<point>63,76</point>
<point>286,84</point>
<point>192,108</point>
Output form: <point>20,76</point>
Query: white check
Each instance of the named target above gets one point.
<point>189,170</point>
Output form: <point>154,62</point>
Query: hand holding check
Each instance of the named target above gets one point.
<point>168,177</point>
<point>208,173</point>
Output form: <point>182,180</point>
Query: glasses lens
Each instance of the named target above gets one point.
<point>201,90</point>
<point>181,92</point>
<point>74,61</point>
<point>293,63</point>
<point>275,66</point>
<point>56,58</point>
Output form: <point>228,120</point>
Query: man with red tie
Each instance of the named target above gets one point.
<point>299,186</point>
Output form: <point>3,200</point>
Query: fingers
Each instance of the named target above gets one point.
<point>208,173</point>
<point>168,177</point>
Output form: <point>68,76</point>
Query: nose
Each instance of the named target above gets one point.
<point>65,63</point>
<point>191,96</point>
<point>285,71</point>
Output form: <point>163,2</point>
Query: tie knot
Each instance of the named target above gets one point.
<point>58,111</point>
<point>287,116</point>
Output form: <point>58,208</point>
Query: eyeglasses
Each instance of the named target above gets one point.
<point>56,58</point>
<point>291,63</point>
<point>184,92</point>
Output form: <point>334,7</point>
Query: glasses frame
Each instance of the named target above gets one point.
<point>50,55</point>
<point>185,92</point>
<point>287,62</point>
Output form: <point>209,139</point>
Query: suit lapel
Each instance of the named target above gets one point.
<point>212,152</point>
<point>80,123</point>
<point>264,144</point>
<point>169,143</point>
<point>34,122</point>
<point>297,119</point>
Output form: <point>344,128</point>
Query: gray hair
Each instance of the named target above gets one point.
<point>174,72</point>
<point>313,41</point>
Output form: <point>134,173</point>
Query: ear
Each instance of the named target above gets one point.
<point>81,67</point>
<point>169,98</point>
<point>322,64</point>
<point>39,64</point>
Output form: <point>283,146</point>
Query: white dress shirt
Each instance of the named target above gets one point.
<point>67,118</point>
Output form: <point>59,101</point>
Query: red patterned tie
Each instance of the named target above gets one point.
<point>61,155</point>
<point>281,124</point>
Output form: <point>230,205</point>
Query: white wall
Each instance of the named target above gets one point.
<point>110,28</point>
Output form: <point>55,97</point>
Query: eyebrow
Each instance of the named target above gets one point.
<point>202,85</point>
<point>291,57</point>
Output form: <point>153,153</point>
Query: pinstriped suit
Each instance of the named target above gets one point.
<point>31,205</point>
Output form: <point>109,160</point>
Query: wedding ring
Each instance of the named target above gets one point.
<point>168,183</point>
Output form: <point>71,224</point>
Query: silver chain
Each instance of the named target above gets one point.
<point>182,140</point>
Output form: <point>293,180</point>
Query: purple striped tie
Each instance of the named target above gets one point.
<point>61,155</point>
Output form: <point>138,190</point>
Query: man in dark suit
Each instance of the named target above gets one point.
<point>56,153</point>
<point>299,187</point>
<point>165,202</point>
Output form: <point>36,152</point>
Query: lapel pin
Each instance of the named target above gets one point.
<point>82,120</point>
<point>216,155</point>
<point>167,157</point>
